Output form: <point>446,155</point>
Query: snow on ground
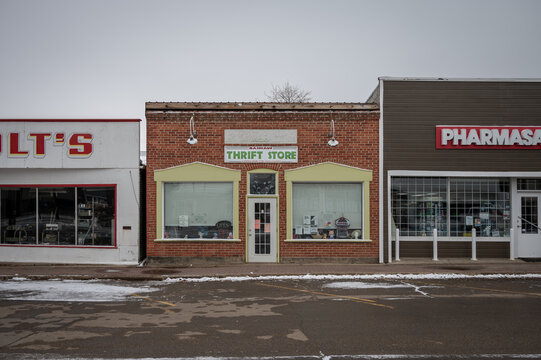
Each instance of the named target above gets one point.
<point>67,290</point>
<point>363,285</point>
<point>358,277</point>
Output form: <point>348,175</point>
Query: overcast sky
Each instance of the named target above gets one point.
<point>106,58</point>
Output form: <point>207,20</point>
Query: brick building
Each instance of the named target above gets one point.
<point>261,182</point>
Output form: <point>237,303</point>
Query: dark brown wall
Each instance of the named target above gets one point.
<point>412,109</point>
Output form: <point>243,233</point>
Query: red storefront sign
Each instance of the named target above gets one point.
<point>488,137</point>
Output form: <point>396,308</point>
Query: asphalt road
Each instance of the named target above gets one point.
<point>300,319</point>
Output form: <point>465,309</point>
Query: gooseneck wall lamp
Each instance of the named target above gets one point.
<point>193,134</point>
<point>333,141</point>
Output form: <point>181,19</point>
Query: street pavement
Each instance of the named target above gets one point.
<point>273,318</point>
<point>160,271</point>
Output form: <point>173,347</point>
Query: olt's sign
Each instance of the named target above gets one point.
<point>488,137</point>
<point>260,154</point>
<point>79,145</point>
<point>69,144</point>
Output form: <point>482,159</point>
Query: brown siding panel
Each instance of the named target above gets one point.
<point>412,109</point>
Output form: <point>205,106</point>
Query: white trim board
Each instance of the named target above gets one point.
<point>520,174</point>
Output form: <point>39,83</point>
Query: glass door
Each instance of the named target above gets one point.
<point>529,237</point>
<point>262,239</point>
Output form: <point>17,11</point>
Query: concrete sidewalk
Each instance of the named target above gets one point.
<point>160,272</point>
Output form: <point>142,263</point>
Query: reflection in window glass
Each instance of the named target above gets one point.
<point>419,205</point>
<point>453,206</point>
<point>198,210</point>
<point>482,204</point>
<point>64,216</point>
<point>327,211</point>
<point>262,184</point>
<point>95,216</point>
<point>56,209</point>
<point>18,215</point>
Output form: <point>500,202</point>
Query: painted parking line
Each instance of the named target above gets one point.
<point>353,298</point>
<point>154,301</point>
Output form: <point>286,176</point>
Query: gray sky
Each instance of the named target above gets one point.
<point>105,58</point>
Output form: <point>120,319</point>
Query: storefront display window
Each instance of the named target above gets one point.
<point>453,206</point>
<point>198,210</point>
<point>483,204</point>
<point>66,216</point>
<point>327,210</point>
<point>56,209</point>
<point>420,205</point>
<point>95,216</point>
<point>18,215</point>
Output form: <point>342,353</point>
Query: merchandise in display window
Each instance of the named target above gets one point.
<point>198,210</point>
<point>67,216</point>
<point>327,211</point>
<point>453,206</point>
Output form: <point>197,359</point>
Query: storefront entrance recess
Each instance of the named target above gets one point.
<point>262,239</point>
<point>529,237</point>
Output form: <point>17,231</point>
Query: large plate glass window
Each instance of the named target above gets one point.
<point>18,215</point>
<point>95,215</point>
<point>56,209</point>
<point>327,210</point>
<point>198,210</point>
<point>419,205</point>
<point>483,204</point>
<point>67,216</point>
<point>453,206</point>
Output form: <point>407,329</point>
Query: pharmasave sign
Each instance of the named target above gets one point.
<point>488,137</point>
<point>260,154</point>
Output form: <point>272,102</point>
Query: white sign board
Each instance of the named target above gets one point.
<point>69,144</point>
<point>253,136</point>
<point>260,154</point>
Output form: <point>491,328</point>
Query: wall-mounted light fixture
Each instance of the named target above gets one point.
<point>193,134</point>
<point>333,141</point>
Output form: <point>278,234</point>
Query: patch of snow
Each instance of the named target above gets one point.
<point>356,277</point>
<point>363,285</point>
<point>17,278</point>
<point>68,290</point>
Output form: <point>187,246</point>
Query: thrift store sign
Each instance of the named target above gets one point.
<point>488,137</point>
<point>260,154</point>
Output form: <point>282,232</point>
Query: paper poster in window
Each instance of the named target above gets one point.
<point>313,220</point>
<point>313,230</point>
<point>469,220</point>
<point>183,221</point>
<point>298,230</point>
<point>306,220</point>
<point>306,230</point>
<point>484,216</point>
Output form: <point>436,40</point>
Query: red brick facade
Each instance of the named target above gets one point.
<point>356,131</point>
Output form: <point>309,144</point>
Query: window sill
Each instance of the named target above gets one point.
<point>329,240</point>
<point>196,240</point>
